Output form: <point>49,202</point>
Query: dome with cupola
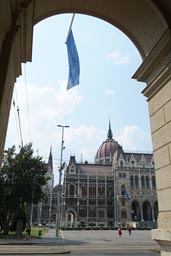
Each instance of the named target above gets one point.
<point>107,149</point>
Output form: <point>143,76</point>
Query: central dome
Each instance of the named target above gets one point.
<point>107,149</point>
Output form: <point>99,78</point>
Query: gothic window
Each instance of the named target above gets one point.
<point>71,190</point>
<point>92,202</point>
<point>110,213</point>
<point>121,163</point>
<point>92,191</point>
<point>83,202</point>
<point>153,182</point>
<point>131,181</point>
<point>136,181</point>
<point>142,181</point>
<point>72,170</point>
<point>46,200</point>
<point>120,175</point>
<point>109,191</point>
<point>147,181</point>
<point>101,202</point>
<point>101,191</point>
<point>132,163</point>
<point>92,213</point>
<point>101,213</point>
<point>83,190</point>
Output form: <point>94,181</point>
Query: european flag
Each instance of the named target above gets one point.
<point>74,65</point>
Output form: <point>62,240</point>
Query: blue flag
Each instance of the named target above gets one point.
<point>74,65</point>
<point>127,195</point>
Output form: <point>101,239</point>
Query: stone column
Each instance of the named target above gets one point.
<point>156,72</point>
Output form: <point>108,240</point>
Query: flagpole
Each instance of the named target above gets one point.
<point>70,26</point>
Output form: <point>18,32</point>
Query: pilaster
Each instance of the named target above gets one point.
<point>155,71</point>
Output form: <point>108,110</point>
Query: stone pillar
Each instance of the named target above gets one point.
<point>7,79</point>
<point>156,72</point>
<point>15,47</point>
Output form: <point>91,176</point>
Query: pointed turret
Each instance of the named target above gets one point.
<point>109,134</point>
<point>50,161</point>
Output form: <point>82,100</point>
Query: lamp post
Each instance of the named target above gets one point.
<point>58,217</point>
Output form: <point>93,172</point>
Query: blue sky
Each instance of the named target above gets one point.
<point>108,59</point>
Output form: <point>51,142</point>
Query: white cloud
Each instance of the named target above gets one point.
<point>47,106</point>
<point>84,140</point>
<point>134,138</point>
<point>118,58</point>
<point>109,92</point>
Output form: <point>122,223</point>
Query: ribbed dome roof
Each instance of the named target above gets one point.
<point>107,149</point>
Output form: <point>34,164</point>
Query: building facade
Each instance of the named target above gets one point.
<point>119,188</point>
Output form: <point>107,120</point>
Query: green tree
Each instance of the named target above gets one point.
<point>22,176</point>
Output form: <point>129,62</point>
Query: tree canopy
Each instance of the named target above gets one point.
<point>22,177</point>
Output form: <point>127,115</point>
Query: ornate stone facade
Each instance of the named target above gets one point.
<point>119,188</point>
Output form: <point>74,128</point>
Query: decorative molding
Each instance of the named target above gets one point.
<point>155,70</point>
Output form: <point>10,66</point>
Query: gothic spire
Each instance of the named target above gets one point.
<point>109,134</point>
<point>50,161</point>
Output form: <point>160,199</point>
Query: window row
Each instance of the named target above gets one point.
<point>145,181</point>
<point>91,192</point>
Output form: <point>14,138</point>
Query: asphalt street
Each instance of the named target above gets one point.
<point>85,243</point>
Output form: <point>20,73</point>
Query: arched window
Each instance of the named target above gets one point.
<point>147,181</point>
<point>136,181</point>
<point>131,181</point>
<point>132,163</point>
<point>101,191</point>
<point>121,163</point>
<point>71,190</point>
<point>83,191</point>
<point>142,181</point>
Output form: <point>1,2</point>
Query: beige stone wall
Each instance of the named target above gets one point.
<point>160,118</point>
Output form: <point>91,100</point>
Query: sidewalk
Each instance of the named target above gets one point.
<point>48,244</point>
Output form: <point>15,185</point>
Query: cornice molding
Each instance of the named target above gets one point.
<point>155,70</point>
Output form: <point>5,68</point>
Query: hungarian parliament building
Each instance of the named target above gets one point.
<point>119,188</point>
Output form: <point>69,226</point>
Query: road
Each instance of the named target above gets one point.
<point>109,242</point>
<point>88,243</point>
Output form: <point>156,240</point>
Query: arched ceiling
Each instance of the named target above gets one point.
<point>143,21</point>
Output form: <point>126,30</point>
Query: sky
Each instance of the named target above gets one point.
<point>108,60</point>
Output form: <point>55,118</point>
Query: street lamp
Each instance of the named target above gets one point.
<point>58,217</point>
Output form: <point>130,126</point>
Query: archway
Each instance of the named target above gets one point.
<point>150,33</point>
<point>136,212</point>
<point>147,211</point>
<point>70,219</point>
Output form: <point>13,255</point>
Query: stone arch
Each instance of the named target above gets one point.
<point>114,13</point>
<point>70,218</point>
<point>136,211</point>
<point>147,211</point>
